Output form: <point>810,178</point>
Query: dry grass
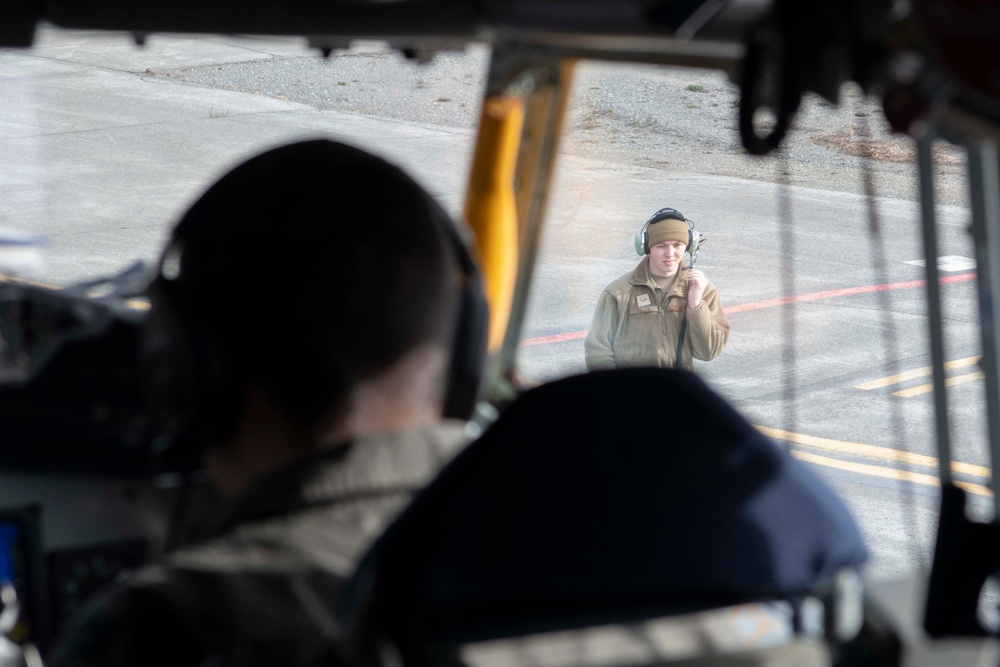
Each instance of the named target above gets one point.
<point>894,149</point>
<point>589,120</point>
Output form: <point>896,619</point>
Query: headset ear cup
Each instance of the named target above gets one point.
<point>470,345</point>
<point>469,351</point>
<point>642,243</point>
<point>694,237</point>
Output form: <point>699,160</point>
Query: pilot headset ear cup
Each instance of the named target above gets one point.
<point>466,368</point>
<point>469,345</point>
<point>469,350</point>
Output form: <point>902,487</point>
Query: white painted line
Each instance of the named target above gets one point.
<point>949,263</point>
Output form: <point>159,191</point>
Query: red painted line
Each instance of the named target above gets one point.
<point>847,291</point>
<point>557,338</point>
<point>772,303</point>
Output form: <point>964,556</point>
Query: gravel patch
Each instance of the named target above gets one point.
<point>677,120</point>
<point>445,91</point>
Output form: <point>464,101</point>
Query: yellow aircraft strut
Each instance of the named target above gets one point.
<point>519,131</point>
<point>491,205</point>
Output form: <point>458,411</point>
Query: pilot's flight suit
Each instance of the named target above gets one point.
<point>263,591</point>
<point>635,324</point>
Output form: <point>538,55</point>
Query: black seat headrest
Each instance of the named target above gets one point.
<point>629,492</point>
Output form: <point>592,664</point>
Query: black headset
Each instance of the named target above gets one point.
<point>642,236</point>
<point>466,369</point>
<point>195,385</point>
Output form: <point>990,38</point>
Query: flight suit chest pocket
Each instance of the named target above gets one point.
<point>642,303</point>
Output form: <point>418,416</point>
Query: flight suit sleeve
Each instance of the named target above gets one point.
<point>601,337</point>
<point>708,327</point>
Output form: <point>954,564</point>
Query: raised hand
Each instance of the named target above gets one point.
<point>696,288</point>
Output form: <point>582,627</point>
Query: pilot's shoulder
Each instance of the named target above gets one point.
<point>134,622</point>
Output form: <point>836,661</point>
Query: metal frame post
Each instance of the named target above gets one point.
<point>984,181</point>
<point>925,163</point>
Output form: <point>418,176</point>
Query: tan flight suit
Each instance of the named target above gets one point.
<point>637,325</point>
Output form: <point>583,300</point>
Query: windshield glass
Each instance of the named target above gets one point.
<point>105,144</point>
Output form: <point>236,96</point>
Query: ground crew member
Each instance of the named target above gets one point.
<point>301,330</point>
<point>661,307</point>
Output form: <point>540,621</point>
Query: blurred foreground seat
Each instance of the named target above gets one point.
<point>620,517</point>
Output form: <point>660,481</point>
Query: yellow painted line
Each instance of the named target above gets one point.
<point>916,373</point>
<point>25,281</point>
<point>928,388</point>
<point>887,473</point>
<point>873,452</point>
<point>134,304</point>
<point>137,304</point>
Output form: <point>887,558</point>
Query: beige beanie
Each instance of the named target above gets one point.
<point>668,230</point>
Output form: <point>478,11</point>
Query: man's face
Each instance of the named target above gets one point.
<point>665,258</point>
